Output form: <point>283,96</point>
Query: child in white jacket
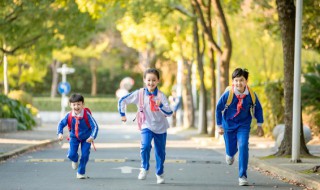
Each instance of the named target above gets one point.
<point>155,108</point>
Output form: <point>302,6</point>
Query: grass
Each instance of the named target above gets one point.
<point>287,156</point>
<point>102,104</point>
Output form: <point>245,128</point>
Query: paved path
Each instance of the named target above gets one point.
<point>12,144</point>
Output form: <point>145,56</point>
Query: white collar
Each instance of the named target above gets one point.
<point>79,115</point>
<point>236,92</point>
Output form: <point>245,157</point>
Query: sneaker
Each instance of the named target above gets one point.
<point>229,160</point>
<point>74,165</point>
<point>160,179</point>
<point>243,181</point>
<point>80,176</point>
<point>143,174</point>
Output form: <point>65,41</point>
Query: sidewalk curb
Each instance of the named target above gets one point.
<point>286,173</point>
<point>24,149</point>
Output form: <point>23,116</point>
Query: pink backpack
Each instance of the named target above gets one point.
<point>141,117</point>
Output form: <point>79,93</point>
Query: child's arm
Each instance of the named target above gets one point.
<point>258,114</point>
<point>60,127</point>
<point>220,107</point>
<point>132,98</point>
<point>164,105</point>
<point>94,128</point>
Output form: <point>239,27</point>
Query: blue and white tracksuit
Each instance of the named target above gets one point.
<point>237,129</point>
<point>154,127</point>
<point>84,133</point>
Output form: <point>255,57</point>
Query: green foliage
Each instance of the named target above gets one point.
<point>275,93</point>
<point>311,94</point>
<point>10,108</point>
<point>271,98</point>
<point>21,96</point>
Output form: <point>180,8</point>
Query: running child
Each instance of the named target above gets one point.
<point>83,130</point>
<point>155,109</point>
<point>234,120</point>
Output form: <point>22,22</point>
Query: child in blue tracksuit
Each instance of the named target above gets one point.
<point>234,121</point>
<point>80,133</point>
<point>156,108</point>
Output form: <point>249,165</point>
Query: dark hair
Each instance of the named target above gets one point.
<point>76,98</point>
<point>151,70</point>
<point>238,72</point>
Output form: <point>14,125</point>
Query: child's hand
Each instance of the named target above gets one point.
<point>158,102</point>
<point>90,140</point>
<point>220,131</point>
<point>260,131</point>
<point>60,137</point>
<point>124,119</point>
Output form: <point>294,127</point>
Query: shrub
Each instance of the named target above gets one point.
<point>21,96</point>
<point>10,108</point>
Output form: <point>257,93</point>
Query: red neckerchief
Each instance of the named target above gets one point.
<point>77,126</point>
<point>240,98</point>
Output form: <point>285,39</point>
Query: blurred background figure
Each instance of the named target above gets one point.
<point>125,86</point>
<point>175,103</point>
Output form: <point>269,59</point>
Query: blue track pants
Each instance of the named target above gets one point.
<point>238,139</point>
<point>159,149</point>
<point>74,156</point>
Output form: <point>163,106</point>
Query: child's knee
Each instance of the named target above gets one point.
<point>146,147</point>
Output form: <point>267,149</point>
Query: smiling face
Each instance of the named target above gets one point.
<point>240,83</point>
<point>151,80</point>
<point>77,107</point>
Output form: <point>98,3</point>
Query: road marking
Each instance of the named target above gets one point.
<point>109,160</point>
<point>126,169</point>
<point>176,161</point>
<point>46,160</point>
<point>120,160</point>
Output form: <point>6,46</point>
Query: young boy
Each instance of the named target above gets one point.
<point>80,133</point>
<point>234,121</point>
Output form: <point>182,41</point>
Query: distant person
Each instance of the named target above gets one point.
<point>234,120</point>
<point>83,130</point>
<point>154,107</point>
<point>175,103</point>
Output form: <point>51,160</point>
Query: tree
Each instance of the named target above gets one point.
<point>286,13</point>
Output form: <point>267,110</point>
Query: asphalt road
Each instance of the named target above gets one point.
<point>115,166</point>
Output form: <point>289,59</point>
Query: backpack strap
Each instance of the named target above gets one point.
<point>141,93</point>
<point>253,97</point>
<point>230,96</point>
<point>85,116</point>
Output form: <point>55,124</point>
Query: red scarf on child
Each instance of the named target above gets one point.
<point>240,97</point>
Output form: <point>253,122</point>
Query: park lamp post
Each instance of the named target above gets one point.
<point>296,122</point>
<point>64,87</point>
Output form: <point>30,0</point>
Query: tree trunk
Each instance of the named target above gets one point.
<point>213,93</point>
<point>202,114</point>
<point>227,48</point>
<point>93,68</point>
<point>286,12</point>
<point>188,113</point>
<point>55,77</point>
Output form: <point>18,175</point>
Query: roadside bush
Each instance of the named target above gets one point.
<point>21,96</point>
<point>10,108</point>
<point>25,99</point>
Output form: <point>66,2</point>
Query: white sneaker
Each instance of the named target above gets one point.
<point>74,165</point>
<point>243,181</point>
<point>143,174</point>
<point>160,179</point>
<point>229,160</point>
<point>80,176</point>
